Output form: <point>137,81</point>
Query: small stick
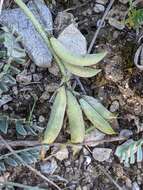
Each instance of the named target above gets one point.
<point>36,143</point>
<point>100,26</point>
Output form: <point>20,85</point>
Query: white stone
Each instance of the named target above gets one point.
<point>73,40</point>
<point>99,8</point>
<point>101,154</point>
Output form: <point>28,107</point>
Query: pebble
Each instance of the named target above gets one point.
<point>45,96</point>
<point>49,167</point>
<point>73,40</point>
<point>101,154</point>
<point>41,119</point>
<point>116,24</point>
<point>103,2</point>
<point>27,96</point>
<point>87,160</point>
<point>62,20</point>
<point>98,8</point>
<point>137,108</point>
<point>135,186</point>
<point>37,77</point>
<point>126,133</point>
<point>114,106</point>
<point>124,1</point>
<point>52,87</point>
<point>67,163</point>
<point>62,154</point>
<point>32,68</point>
<point>116,34</point>
<point>23,78</point>
<point>128,183</point>
<point>5,107</point>
<point>15,90</point>
<point>84,188</point>
<point>54,69</point>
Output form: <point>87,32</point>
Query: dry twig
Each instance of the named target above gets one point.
<point>100,26</point>
<point>36,143</point>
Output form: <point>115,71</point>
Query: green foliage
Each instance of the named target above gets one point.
<point>11,53</point>
<point>22,127</point>
<point>130,151</point>
<point>29,155</point>
<point>7,79</point>
<point>14,52</point>
<point>69,63</point>
<point>135,17</point>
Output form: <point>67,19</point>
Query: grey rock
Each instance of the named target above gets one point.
<point>67,163</point>
<point>45,96</point>
<point>87,160</point>
<point>41,118</point>
<point>62,20</point>
<point>73,40</point>
<point>31,40</point>
<point>116,24</point>
<point>32,68</point>
<point>5,107</point>
<point>62,154</point>
<point>124,1</point>
<point>101,154</point>
<point>103,2</point>
<point>98,8</point>
<point>126,133</point>
<point>15,90</point>
<point>49,167</point>
<point>114,106</point>
<point>54,70</point>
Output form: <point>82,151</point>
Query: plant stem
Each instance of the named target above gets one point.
<point>31,112</point>
<point>12,184</point>
<point>41,31</point>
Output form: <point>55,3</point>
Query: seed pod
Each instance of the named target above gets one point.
<point>75,117</point>
<point>78,60</point>
<point>99,107</point>
<point>85,72</point>
<point>56,118</point>
<point>97,120</point>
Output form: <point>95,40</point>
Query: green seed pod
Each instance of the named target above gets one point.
<point>99,107</point>
<point>78,60</point>
<point>85,72</point>
<point>97,120</point>
<point>75,117</point>
<point>56,118</point>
